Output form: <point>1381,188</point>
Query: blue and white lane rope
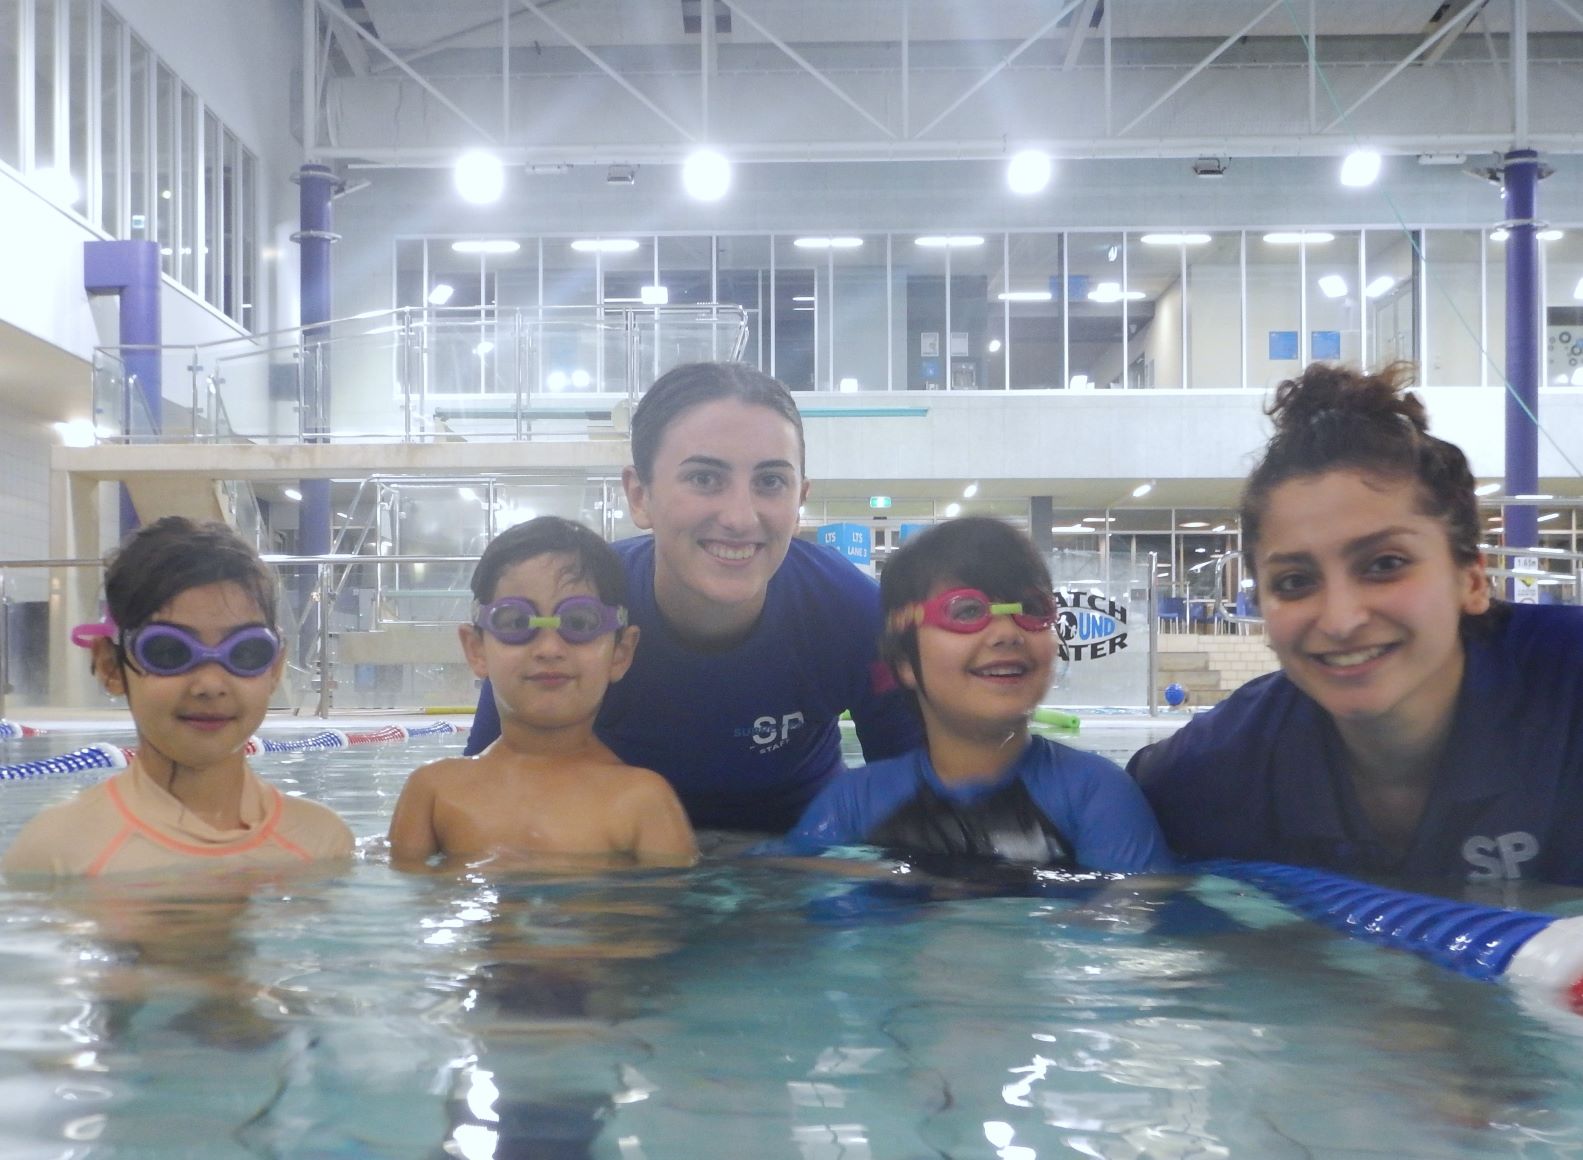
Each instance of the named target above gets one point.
<point>1539,953</point>
<point>102,755</point>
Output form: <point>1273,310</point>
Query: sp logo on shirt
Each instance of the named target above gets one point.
<point>770,733</point>
<point>1500,857</point>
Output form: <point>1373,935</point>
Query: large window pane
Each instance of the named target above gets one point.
<point>230,221</point>
<point>78,104</point>
<point>189,195</point>
<point>1274,297</point>
<point>1155,268</point>
<point>947,300</point>
<point>166,105</point>
<point>112,102</point>
<point>1334,300</point>
<point>44,84</point>
<point>247,237</point>
<point>10,69</point>
<point>796,316</point>
<point>213,202</point>
<point>1563,265</point>
<point>139,140</point>
<point>1454,284</point>
<point>1099,351</point>
<point>743,279</point>
<point>858,333</point>
<point>1214,311</point>
<point>1026,316</point>
<point>1391,301</point>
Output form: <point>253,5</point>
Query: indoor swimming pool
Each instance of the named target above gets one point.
<point>741,1009</point>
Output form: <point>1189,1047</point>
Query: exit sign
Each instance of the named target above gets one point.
<point>879,501</point>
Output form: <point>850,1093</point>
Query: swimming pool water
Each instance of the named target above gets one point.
<point>739,1009</point>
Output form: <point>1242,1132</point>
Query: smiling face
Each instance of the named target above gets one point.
<point>200,719</point>
<point>547,684</point>
<point>722,503</point>
<point>1363,600</point>
<point>978,686</point>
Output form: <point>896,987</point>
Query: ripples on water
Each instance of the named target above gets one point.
<point>740,1009</point>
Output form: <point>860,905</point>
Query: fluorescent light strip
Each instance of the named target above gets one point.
<point>486,246</point>
<point>1299,238</point>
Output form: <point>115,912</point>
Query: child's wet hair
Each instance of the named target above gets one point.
<point>971,552</point>
<point>160,561</point>
<point>592,559</point>
<point>682,388</point>
<point>1333,418</point>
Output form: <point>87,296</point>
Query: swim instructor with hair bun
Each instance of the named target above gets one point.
<point>754,642</point>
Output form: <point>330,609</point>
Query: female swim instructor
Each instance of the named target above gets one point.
<point>754,642</point>
<point>1416,726</point>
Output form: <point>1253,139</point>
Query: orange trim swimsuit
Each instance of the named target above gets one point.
<point>129,823</point>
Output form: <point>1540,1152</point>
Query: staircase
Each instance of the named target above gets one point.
<point>1210,667</point>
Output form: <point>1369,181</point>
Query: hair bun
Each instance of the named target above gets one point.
<point>1325,392</point>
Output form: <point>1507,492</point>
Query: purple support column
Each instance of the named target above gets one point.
<point>1520,174</point>
<point>317,185</point>
<point>130,270</point>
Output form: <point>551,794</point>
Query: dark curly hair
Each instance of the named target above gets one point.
<point>1333,418</point>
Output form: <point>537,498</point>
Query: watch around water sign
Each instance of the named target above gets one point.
<point>1091,626</point>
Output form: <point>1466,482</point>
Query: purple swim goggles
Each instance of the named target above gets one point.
<point>578,619</point>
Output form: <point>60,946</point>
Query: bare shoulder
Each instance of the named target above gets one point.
<point>638,782</point>
<point>439,774</point>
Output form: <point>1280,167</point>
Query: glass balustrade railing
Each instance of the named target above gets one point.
<point>410,375</point>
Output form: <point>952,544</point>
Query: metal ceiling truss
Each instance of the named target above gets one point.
<point>1244,96</point>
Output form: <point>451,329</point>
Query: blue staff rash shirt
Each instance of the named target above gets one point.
<point>1263,775</point>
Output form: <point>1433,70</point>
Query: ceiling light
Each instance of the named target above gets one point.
<point>819,243</point>
<point>706,175</point>
<point>952,510</point>
<point>1142,490</point>
<point>556,380</point>
<point>1486,489</point>
<point>1549,516</point>
<point>1024,296</point>
<point>1218,528</point>
<point>1361,167</point>
<point>1072,529</point>
<point>1299,238</point>
<point>848,385</point>
<point>1099,519</point>
<point>1174,239</point>
<point>1029,171</point>
<point>970,491</point>
<point>1550,235</point>
<point>948,241</point>
<point>581,379</point>
<point>1500,234</point>
<point>486,246</point>
<point>1194,524</point>
<point>802,298</point>
<point>1497,527</point>
<point>605,245</point>
<point>291,493</point>
<point>483,348</point>
<point>654,295</point>
<point>993,346</point>
<point>1333,286</point>
<point>1378,286</point>
<point>441,294</point>
<point>480,177</point>
<point>1537,495</point>
<point>76,432</point>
